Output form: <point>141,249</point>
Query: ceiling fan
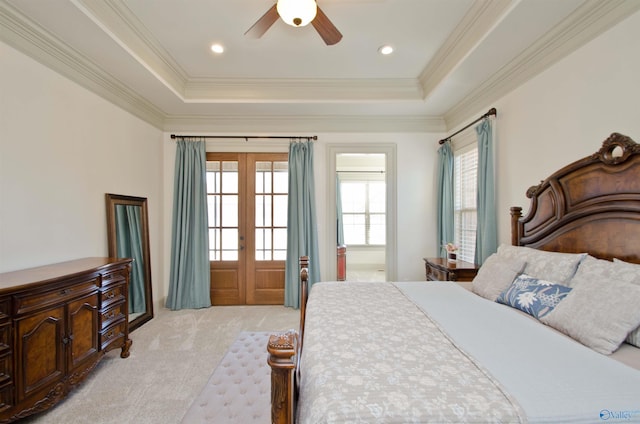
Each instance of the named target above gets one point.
<point>297,13</point>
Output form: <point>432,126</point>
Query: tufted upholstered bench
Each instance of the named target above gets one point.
<point>239,390</point>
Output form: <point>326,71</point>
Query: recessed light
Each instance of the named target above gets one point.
<point>217,48</point>
<point>385,50</point>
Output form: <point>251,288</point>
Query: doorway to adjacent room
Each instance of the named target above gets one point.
<point>364,212</point>
<point>361,215</point>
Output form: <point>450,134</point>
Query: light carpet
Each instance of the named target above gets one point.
<point>172,358</point>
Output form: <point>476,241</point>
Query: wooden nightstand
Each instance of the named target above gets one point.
<point>439,269</point>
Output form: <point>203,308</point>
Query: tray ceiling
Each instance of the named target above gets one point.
<point>451,58</point>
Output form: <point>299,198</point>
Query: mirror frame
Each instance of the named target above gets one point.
<point>117,199</point>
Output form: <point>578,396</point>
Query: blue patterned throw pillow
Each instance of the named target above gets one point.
<point>533,296</point>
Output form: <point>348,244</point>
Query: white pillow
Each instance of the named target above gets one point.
<point>632,271</point>
<point>598,314</point>
<point>549,266</point>
<point>602,270</point>
<point>628,268</point>
<point>495,275</point>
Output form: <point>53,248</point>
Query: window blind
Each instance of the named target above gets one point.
<point>465,190</point>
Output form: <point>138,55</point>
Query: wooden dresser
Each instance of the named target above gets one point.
<point>56,323</point>
<point>439,269</point>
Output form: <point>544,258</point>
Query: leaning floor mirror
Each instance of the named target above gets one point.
<point>128,237</point>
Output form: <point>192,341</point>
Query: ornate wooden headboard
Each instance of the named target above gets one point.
<point>591,205</point>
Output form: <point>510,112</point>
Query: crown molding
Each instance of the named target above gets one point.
<point>591,19</point>
<point>301,90</point>
<point>472,29</point>
<point>28,37</point>
<point>122,26</point>
<point>287,124</point>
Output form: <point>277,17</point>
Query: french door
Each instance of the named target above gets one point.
<point>247,204</point>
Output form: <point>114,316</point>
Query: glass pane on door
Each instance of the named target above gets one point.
<point>222,203</point>
<point>271,184</point>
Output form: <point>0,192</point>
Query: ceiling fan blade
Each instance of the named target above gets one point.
<point>261,26</point>
<point>326,29</point>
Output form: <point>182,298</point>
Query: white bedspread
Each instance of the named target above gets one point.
<point>554,378</point>
<point>373,355</point>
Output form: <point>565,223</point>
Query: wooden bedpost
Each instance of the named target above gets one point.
<point>282,351</point>
<point>304,293</point>
<point>284,354</point>
<point>516,214</point>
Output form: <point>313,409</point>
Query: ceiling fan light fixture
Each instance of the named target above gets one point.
<point>297,12</point>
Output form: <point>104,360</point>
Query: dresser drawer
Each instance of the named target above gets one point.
<point>6,397</point>
<point>115,277</point>
<point>440,269</point>
<point>435,274</point>
<point>113,294</point>
<point>113,334</point>
<point>5,309</point>
<point>112,315</point>
<point>29,302</point>
<point>5,338</point>
<point>6,369</point>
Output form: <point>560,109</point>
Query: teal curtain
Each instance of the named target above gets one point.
<point>189,285</point>
<point>129,245</point>
<point>445,228</point>
<point>339,223</point>
<point>302,234</point>
<point>487,228</point>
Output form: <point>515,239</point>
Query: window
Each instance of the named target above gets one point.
<point>363,212</point>
<point>465,209</point>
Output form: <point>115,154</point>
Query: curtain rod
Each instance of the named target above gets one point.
<point>491,111</point>
<point>247,137</point>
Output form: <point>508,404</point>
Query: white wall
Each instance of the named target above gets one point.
<point>365,257</point>
<point>61,149</point>
<point>565,113</point>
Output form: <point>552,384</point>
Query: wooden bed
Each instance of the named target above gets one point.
<point>589,206</point>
